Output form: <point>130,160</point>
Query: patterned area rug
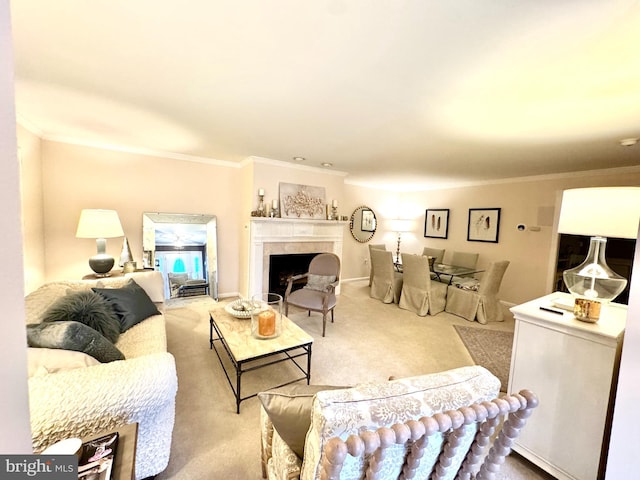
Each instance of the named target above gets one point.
<point>489,348</point>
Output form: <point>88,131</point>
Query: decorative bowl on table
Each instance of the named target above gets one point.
<point>240,308</point>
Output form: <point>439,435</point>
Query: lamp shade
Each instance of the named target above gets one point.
<point>400,225</point>
<point>95,223</point>
<point>605,212</point>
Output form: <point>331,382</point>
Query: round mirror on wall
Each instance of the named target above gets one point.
<point>363,224</point>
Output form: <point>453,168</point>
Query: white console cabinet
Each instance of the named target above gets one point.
<point>571,366</point>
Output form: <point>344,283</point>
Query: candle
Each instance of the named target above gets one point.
<point>274,204</point>
<point>261,192</point>
<point>267,323</point>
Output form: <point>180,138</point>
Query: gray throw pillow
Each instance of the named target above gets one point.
<point>85,307</point>
<point>74,336</point>
<point>289,409</point>
<point>130,303</point>
<point>319,282</point>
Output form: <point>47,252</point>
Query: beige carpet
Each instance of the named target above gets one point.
<point>369,341</point>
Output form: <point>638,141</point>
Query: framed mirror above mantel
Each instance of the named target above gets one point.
<point>184,248</point>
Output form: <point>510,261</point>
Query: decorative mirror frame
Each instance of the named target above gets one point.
<point>363,232</point>
<point>151,219</point>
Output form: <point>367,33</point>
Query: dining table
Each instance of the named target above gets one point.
<point>440,269</point>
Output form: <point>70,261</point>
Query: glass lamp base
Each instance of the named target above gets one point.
<point>593,279</point>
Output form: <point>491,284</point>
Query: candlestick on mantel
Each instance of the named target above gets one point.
<point>335,203</point>
<point>274,204</point>
<point>261,192</point>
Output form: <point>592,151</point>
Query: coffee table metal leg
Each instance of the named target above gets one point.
<point>309,364</point>
<point>238,383</point>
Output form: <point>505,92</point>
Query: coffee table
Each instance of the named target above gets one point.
<point>248,353</point>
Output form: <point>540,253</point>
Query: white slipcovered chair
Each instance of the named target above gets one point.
<point>464,259</point>
<point>419,294</point>
<point>429,426</point>
<point>437,253</point>
<point>379,246</point>
<point>386,284</point>
<point>482,305</point>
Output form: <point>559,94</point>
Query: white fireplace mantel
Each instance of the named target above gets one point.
<point>270,236</point>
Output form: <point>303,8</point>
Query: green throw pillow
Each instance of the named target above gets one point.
<point>75,336</point>
<point>130,303</point>
<point>289,409</point>
<point>85,307</point>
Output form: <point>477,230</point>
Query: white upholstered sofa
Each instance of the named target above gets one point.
<point>77,396</point>
<point>428,426</point>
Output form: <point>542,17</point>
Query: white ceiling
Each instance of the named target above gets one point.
<point>412,93</point>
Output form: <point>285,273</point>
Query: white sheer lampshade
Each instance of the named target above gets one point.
<point>399,225</point>
<point>601,212</point>
<point>100,224</point>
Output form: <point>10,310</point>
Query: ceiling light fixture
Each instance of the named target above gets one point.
<point>628,142</point>
<point>299,159</point>
<point>327,164</point>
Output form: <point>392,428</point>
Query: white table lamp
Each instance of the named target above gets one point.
<point>600,213</point>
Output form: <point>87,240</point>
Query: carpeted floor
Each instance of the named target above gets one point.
<point>369,341</point>
<point>489,348</point>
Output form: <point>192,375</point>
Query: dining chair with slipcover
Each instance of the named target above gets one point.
<point>437,253</point>
<point>386,284</point>
<point>464,259</point>
<point>419,294</point>
<point>482,305</point>
<point>319,294</point>
<point>379,246</point>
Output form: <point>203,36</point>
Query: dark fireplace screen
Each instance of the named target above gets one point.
<point>281,267</point>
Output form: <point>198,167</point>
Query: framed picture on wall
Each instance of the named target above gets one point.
<point>484,225</point>
<point>368,221</point>
<point>436,223</point>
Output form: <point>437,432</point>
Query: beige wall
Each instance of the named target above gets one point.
<point>30,155</point>
<point>532,254</point>
<point>77,177</point>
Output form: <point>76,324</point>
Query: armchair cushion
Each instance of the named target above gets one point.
<point>131,303</point>
<point>86,307</point>
<point>289,409</point>
<point>319,283</point>
<point>374,405</point>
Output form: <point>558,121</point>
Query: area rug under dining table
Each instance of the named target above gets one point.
<point>489,348</point>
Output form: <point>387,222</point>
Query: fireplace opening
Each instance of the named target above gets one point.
<point>281,267</point>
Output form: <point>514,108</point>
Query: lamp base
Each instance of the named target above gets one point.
<point>101,264</point>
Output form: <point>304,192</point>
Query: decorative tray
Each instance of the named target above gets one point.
<point>240,308</point>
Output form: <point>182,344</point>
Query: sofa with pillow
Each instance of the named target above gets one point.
<point>315,432</point>
<point>98,360</point>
